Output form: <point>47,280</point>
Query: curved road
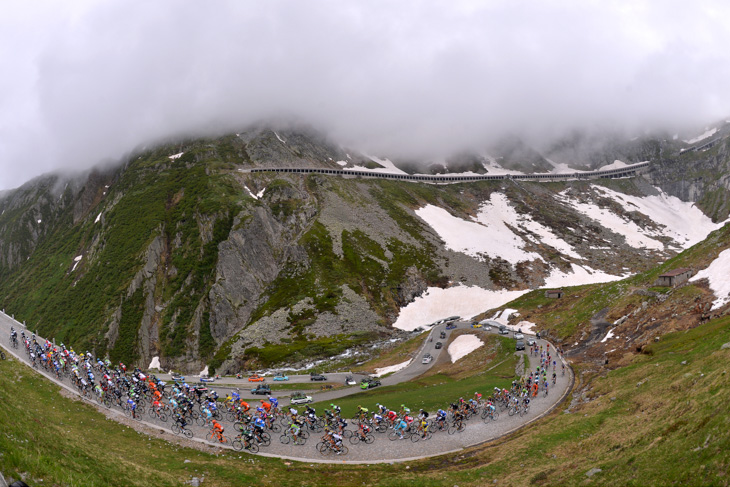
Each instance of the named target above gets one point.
<point>382,450</point>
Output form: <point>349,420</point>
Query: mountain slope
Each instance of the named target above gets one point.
<point>177,254</point>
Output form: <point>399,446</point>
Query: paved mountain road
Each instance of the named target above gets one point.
<point>382,450</point>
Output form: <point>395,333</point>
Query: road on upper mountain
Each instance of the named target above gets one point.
<point>382,450</point>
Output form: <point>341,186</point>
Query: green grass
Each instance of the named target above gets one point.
<point>435,391</point>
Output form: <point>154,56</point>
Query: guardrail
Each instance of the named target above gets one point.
<point>626,171</point>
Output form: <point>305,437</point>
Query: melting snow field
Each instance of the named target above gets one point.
<point>702,136</point>
<point>204,371</point>
<point>388,166</point>
<point>176,156</point>
<point>393,368</point>
<point>463,345</point>
<point>437,303</point>
<point>682,221</point>
<point>717,273</point>
<point>155,363</point>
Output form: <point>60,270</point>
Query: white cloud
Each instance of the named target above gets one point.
<point>85,81</point>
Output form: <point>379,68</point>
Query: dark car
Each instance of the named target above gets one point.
<point>520,345</point>
<point>438,345</point>
<point>262,389</point>
<point>451,326</point>
<point>443,335</point>
<point>317,377</point>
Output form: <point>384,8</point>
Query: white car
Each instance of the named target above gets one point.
<point>300,398</point>
<point>519,336</point>
<point>427,359</point>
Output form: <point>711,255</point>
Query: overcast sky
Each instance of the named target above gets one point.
<point>86,81</point>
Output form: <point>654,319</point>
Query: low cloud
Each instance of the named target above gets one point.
<point>89,82</point>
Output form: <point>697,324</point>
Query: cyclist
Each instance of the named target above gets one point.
<point>441,418</point>
<point>218,430</point>
<point>132,407</point>
<point>336,410</point>
<point>274,404</point>
<point>362,413</point>
<point>400,427</point>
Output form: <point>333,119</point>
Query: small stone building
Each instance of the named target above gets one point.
<point>674,277</point>
<point>554,293</point>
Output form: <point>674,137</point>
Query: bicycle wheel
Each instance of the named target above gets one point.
<point>175,428</point>
<point>347,433</point>
<point>452,429</point>
<point>354,439</point>
<point>428,436</point>
<point>253,447</point>
<point>415,437</point>
<point>275,428</point>
<point>265,439</point>
<point>393,435</point>
<point>495,415</point>
<point>187,433</point>
<point>344,450</point>
<point>284,439</point>
<point>230,417</point>
<point>163,418</point>
<point>226,440</point>
<point>323,447</point>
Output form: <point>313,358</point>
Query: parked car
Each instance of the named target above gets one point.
<point>255,378</point>
<point>319,377</point>
<point>261,389</point>
<point>369,383</point>
<point>205,378</point>
<point>177,378</point>
<point>438,345</point>
<point>476,325</point>
<point>281,377</point>
<point>427,359</point>
<point>442,335</point>
<point>520,345</point>
<point>519,336</point>
<point>300,398</point>
<point>451,326</point>
<point>350,381</point>
<point>530,342</point>
<point>503,330</point>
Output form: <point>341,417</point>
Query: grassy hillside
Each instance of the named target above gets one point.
<point>657,421</point>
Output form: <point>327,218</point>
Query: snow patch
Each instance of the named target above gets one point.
<point>381,371</point>
<point>680,221</point>
<point>463,345</point>
<point>525,327</point>
<point>204,371</point>
<point>39,220</point>
<point>257,195</point>
<point>608,335</point>
<point>342,163</point>
<point>717,273</point>
<point>280,139</point>
<point>98,217</point>
<point>78,258</point>
<point>615,165</point>
<point>465,301</point>
<point>388,166</point>
<point>176,156</point>
<point>580,275</point>
<point>489,235</point>
<point>155,363</point>
<point>702,136</point>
